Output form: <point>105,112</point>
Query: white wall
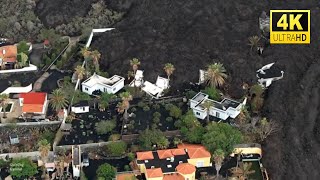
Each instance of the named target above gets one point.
<point>25,69</point>
<point>222,114</point>
<point>200,114</point>
<point>17,89</point>
<point>111,90</point>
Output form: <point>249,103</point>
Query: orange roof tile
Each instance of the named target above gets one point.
<point>153,173</point>
<point>144,155</point>
<point>163,154</point>
<point>186,168</point>
<point>195,150</point>
<point>174,176</point>
<point>32,108</point>
<point>8,51</point>
<point>187,146</point>
<point>124,176</point>
<point>198,153</point>
<point>178,152</point>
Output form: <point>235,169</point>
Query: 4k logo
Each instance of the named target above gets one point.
<point>290,26</point>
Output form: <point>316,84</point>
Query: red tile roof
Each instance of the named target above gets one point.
<point>178,152</point>
<point>195,150</point>
<point>144,155</point>
<point>186,168</point>
<point>33,98</point>
<point>163,154</point>
<point>153,173</point>
<point>125,176</point>
<point>173,176</point>
<point>9,53</point>
<point>33,102</point>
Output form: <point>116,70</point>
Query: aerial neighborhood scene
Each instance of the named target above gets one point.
<point>157,90</point>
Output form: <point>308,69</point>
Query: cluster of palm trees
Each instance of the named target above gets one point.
<point>93,56</point>
<point>125,104</point>
<point>59,100</point>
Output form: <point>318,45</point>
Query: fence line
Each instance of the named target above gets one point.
<point>30,123</point>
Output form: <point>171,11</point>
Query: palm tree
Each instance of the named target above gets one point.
<point>126,98</point>
<point>44,148</point>
<point>169,68</point>
<point>216,75</point>
<point>135,64</point>
<point>207,105</point>
<point>218,157</point>
<point>58,100</point>
<point>253,41</point>
<point>3,103</point>
<point>96,57</point>
<point>243,171</point>
<point>80,72</point>
<point>86,55</point>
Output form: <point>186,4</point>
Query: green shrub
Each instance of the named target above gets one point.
<point>175,112</point>
<point>116,148</point>
<point>105,127</point>
<point>133,109</point>
<point>156,115</point>
<point>154,126</point>
<point>127,168</point>
<point>106,171</point>
<point>169,119</point>
<point>23,47</point>
<point>146,108</point>
<point>190,94</point>
<point>131,156</point>
<point>213,93</point>
<point>168,106</point>
<point>114,137</point>
<point>156,120</point>
<point>48,135</point>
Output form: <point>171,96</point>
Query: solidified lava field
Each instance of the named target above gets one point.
<point>190,34</point>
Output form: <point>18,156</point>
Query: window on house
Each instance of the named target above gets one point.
<point>217,114</point>
<point>104,90</point>
<point>83,108</point>
<point>114,89</point>
<point>86,89</point>
<point>200,163</point>
<point>197,113</point>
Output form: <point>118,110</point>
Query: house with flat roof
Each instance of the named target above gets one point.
<point>173,164</point>
<point>8,55</point>
<point>80,107</point>
<point>98,83</point>
<point>33,102</point>
<point>226,108</point>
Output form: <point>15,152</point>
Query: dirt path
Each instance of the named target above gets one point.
<point>38,84</point>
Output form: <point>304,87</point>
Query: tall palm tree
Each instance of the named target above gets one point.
<point>96,57</point>
<point>218,157</point>
<point>135,63</point>
<point>253,41</point>
<point>126,98</point>
<point>169,68</point>
<point>3,103</point>
<point>243,171</point>
<point>85,52</point>
<point>58,100</point>
<point>216,75</point>
<point>80,72</point>
<point>207,105</point>
<point>44,148</point>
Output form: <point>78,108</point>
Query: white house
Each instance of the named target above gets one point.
<point>138,79</point>
<point>156,90</point>
<point>95,82</point>
<point>222,110</point>
<point>269,73</point>
<point>81,107</point>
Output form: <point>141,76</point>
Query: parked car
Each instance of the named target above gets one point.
<point>85,159</point>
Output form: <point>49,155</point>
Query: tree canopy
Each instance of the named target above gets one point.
<point>23,167</point>
<point>106,172</point>
<point>150,137</point>
<point>191,128</point>
<point>221,136</point>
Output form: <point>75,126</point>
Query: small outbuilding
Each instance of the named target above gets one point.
<point>14,139</point>
<point>81,107</point>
